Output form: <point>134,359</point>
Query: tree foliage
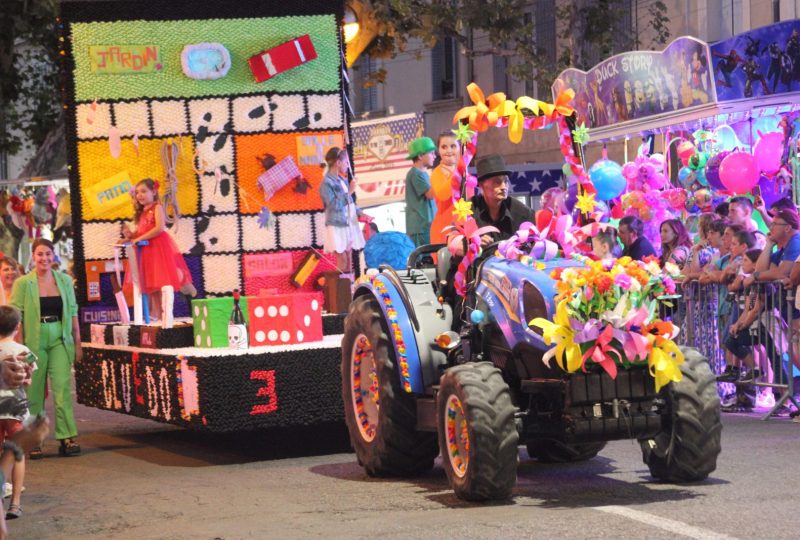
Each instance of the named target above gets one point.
<point>29,77</point>
<point>590,30</point>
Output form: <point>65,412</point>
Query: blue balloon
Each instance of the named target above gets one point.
<point>685,176</point>
<point>607,179</point>
<point>476,316</point>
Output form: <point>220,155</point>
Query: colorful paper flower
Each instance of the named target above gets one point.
<point>462,209</point>
<point>586,203</point>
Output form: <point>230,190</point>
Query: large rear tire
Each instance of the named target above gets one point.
<point>686,448</point>
<point>551,451</point>
<point>381,417</point>
<point>477,432</point>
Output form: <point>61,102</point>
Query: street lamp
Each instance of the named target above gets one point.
<point>360,28</point>
<point>351,26</point>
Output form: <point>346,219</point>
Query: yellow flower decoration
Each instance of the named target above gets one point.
<point>560,333</point>
<point>586,203</point>
<point>664,359</point>
<point>486,111</point>
<point>462,209</point>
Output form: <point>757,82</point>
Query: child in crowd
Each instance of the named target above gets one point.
<point>603,244</point>
<point>742,341</point>
<point>442,184</point>
<point>420,204</point>
<point>160,261</point>
<point>740,243</point>
<point>342,234</point>
<point>13,403</point>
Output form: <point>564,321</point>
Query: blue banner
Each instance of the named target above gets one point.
<point>761,62</point>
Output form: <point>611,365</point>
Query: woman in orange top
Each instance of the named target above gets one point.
<point>441,183</point>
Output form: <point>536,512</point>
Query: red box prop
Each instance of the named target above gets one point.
<point>282,58</point>
<point>285,319</point>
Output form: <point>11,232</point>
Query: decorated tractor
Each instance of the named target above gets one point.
<point>413,388</point>
<point>561,355</point>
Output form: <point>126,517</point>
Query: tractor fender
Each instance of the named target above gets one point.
<point>414,318</point>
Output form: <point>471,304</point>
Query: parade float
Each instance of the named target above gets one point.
<point>231,107</point>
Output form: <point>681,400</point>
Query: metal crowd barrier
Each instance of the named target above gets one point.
<point>705,312</point>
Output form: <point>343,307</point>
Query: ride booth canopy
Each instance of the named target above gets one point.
<point>726,115</point>
<point>231,107</point>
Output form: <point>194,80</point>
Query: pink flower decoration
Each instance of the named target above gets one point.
<point>623,281</point>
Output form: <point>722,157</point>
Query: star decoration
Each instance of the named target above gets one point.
<point>462,210</point>
<point>581,134</point>
<point>463,133</point>
<point>264,218</point>
<point>586,203</point>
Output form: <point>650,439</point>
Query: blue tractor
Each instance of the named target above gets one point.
<point>414,388</point>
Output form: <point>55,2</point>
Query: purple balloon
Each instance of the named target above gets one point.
<point>772,189</point>
<point>712,171</point>
<point>572,197</point>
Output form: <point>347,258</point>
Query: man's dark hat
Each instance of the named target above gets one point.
<point>491,165</point>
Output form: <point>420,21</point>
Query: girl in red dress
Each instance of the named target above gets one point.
<point>160,261</point>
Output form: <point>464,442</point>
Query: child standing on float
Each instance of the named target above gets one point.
<point>160,260</point>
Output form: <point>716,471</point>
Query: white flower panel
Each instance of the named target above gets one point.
<point>169,118</point>
<point>215,151</point>
<point>251,113</point>
<point>220,235</point>
<point>324,112</point>
<point>288,112</point>
<point>98,239</point>
<point>211,114</point>
<point>319,228</point>
<point>132,119</point>
<point>256,238</point>
<point>100,120</point>
<point>183,233</point>
<point>294,230</point>
<point>221,273</point>
<point>218,194</point>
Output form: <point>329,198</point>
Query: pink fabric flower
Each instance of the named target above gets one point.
<point>669,285</point>
<point>623,281</point>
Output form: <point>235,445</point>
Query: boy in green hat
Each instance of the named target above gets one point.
<point>420,206</point>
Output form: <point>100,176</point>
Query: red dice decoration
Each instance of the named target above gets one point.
<point>285,319</point>
<point>282,58</point>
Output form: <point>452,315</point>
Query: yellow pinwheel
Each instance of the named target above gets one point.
<point>664,361</point>
<point>560,334</point>
<point>486,111</point>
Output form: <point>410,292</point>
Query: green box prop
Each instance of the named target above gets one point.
<point>210,317</point>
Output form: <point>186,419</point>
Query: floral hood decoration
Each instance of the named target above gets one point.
<point>607,314</point>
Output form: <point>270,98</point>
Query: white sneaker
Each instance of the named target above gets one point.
<point>765,399</point>
<point>7,490</point>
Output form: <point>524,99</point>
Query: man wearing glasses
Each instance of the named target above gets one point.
<point>783,235</point>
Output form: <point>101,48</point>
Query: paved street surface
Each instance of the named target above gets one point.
<point>141,479</point>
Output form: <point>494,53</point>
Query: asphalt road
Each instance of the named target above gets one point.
<point>140,479</point>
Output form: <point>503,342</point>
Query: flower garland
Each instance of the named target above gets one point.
<point>466,230</point>
<point>400,346</point>
<point>362,346</point>
<point>607,314</point>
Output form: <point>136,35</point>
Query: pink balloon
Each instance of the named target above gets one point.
<point>738,172</point>
<point>768,152</point>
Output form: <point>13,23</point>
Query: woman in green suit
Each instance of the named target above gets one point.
<point>46,298</point>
